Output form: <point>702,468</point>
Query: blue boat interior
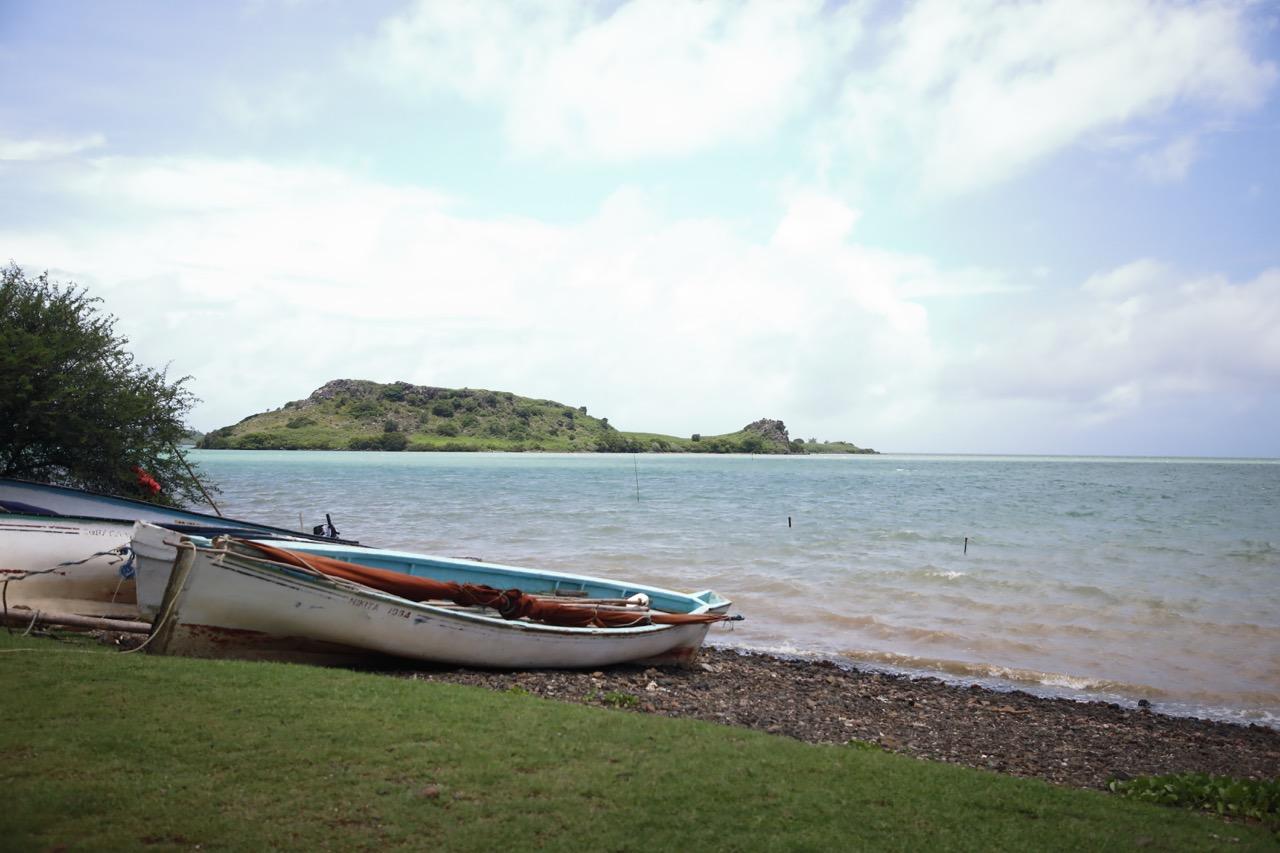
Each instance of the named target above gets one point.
<point>533,581</point>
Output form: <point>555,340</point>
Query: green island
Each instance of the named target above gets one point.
<point>133,752</point>
<point>357,414</point>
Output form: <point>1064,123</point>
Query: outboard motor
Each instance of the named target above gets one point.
<point>327,529</point>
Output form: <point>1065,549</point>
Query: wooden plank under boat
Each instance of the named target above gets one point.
<point>226,600</point>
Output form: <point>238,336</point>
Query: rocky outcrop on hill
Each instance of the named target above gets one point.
<point>770,430</point>
<point>357,389</point>
<point>335,388</point>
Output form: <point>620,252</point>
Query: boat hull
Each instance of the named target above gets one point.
<point>94,583</point>
<point>65,501</point>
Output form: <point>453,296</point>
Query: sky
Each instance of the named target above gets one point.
<point>948,227</point>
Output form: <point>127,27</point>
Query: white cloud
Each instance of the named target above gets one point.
<point>288,98</point>
<point>1171,162</point>
<point>1135,335</point>
<point>955,96</point>
<point>32,149</point>
<point>1123,281</point>
<point>980,91</point>
<point>815,219</point>
<point>265,282</point>
<point>230,265</point>
<point>643,78</point>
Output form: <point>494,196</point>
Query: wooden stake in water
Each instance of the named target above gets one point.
<point>966,544</point>
<point>636,466</point>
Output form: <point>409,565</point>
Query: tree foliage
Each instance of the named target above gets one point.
<point>75,408</point>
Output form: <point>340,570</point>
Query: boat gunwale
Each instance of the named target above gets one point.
<point>550,575</point>
<point>195,519</point>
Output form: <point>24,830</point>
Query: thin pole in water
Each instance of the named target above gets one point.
<point>966,544</point>
<point>636,466</point>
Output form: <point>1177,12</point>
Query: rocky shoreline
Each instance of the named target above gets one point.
<point>1084,744</point>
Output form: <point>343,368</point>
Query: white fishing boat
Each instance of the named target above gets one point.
<point>54,562</point>
<point>82,566</point>
<point>312,603</point>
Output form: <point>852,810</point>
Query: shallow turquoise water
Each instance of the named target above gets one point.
<point>1113,578</point>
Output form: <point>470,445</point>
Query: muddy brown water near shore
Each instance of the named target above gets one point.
<point>1068,742</point>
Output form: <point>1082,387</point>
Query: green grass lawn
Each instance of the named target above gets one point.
<point>100,750</point>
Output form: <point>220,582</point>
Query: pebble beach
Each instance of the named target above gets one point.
<point>1064,741</point>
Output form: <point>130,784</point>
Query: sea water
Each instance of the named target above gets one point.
<point>1105,578</point>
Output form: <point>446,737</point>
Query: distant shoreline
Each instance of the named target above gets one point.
<point>918,454</point>
<point>358,414</point>
<point>535,450</point>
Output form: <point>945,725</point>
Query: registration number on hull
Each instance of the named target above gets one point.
<point>374,607</point>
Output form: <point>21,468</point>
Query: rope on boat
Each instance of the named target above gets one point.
<point>115,593</point>
<point>305,567</point>
<point>126,571</point>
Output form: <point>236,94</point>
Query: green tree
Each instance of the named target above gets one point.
<point>75,408</point>
<point>393,441</point>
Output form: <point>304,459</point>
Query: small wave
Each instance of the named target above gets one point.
<point>1069,629</point>
<point>1260,707</point>
<point>967,669</point>
<point>901,536</point>
<point>1090,591</point>
<point>1154,548</point>
<point>1255,551</point>
<point>888,631</point>
<point>944,572</point>
<point>1245,716</point>
<point>771,586</point>
<point>926,572</point>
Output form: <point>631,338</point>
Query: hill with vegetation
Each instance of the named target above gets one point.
<point>356,414</point>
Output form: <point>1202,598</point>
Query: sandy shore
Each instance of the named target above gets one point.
<point>1063,741</point>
